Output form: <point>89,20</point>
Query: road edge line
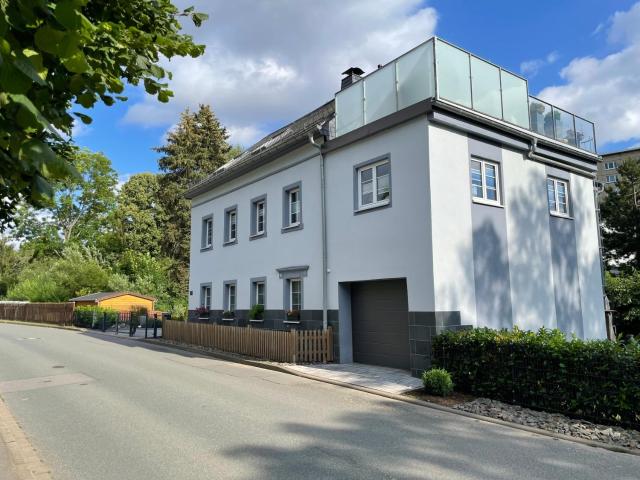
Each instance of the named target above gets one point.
<point>393,396</point>
<point>47,325</point>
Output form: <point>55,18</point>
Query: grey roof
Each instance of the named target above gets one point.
<point>96,297</point>
<point>276,143</point>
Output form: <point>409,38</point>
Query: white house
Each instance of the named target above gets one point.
<point>433,193</point>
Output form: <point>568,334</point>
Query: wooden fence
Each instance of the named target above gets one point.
<point>55,313</point>
<point>307,346</point>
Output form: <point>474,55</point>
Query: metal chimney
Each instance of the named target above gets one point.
<point>353,74</point>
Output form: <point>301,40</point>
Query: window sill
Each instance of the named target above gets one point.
<point>206,249</point>
<point>291,228</point>
<point>561,215</point>
<point>227,319</point>
<point>374,206</point>
<point>230,242</point>
<point>292,322</point>
<point>488,203</point>
<point>257,320</point>
<point>257,236</point>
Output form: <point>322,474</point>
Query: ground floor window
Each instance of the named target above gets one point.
<point>295,294</point>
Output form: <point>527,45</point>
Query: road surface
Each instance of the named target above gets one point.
<point>101,408</point>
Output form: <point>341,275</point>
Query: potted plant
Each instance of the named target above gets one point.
<point>256,312</point>
<point>293,315</point>
<point>203,313</point>
<point>228,315</point>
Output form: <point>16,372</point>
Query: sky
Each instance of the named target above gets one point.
<point>268,62</point>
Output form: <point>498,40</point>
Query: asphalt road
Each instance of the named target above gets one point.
<point>124,410</point>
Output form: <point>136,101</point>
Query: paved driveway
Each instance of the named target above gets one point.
<point>124,410</point>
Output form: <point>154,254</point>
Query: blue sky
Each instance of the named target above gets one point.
<point>269,62</point>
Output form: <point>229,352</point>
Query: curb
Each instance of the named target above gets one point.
<point>393,396</point>
<point>47,325</point>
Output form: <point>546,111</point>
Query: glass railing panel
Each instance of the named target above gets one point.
<point>515,104</point>
<point>350,108</point>
<point>585,135</point>
<point>485,87</point>
<point>380,93</point>
<point>453,74</point>
<point>415,74</point>
<point>541,115</point>
<point>565,129</point>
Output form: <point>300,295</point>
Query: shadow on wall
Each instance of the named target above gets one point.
<point>388,440</point>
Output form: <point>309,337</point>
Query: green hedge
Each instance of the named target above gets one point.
<point>91,317</point>
<point>597,380</point>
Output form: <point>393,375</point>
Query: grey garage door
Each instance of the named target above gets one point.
<point>380,323</point>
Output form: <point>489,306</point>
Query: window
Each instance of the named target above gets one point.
<point>205,296</point>
<point>292,207</point>
<point>610,165</point>
<point>231,225</point>
<point>295,294</point>
<point>612,178</point>
<point>260,217</point>
<point>259,292</point>
<point>207,232</point>
<point>374,184</point>
<point>558,196</point>
<point>485,181</point>
<point>229,300</point>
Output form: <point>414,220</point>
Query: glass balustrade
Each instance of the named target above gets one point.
<point>437,69</point>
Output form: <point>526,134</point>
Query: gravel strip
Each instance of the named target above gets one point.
<point>553,422</point>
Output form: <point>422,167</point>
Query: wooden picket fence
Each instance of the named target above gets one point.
<point>53,313</point>
<point>307,346</point>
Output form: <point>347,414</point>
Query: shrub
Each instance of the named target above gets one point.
<point>256,312</point>
<point>91,317</point>
<point>437,381</point>
<point>293,315</point>
<point>227,314</point>
<point>597,379</point>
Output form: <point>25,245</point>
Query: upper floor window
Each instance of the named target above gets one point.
<point>207,232</point>
<point>485,181</point>
<point>260,217</point>
<point>558,196</point>
<point>231,225</point>
<point>610,165</point>
<point>292,207</point>
<point>612,178</point>
<point>374,184</point>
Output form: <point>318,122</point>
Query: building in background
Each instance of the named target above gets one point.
<point>608,168</point>
<point>434,193</point>
<point>120,301</point>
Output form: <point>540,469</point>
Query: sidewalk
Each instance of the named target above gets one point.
<point>6,465</point>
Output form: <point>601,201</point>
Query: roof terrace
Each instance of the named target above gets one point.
<point>437,69</point>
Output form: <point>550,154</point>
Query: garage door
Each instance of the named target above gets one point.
<point>380,323</point>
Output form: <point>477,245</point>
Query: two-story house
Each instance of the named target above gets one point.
<point>433,193</point>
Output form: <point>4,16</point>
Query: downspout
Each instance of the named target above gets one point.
<point>323,214</point>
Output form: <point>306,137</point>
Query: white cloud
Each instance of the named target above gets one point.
<point>532,67</point>
<point>269,62</point>
<point>122,179</point>
<point>79,129</point>
<point>606,90</point>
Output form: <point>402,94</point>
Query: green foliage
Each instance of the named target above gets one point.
<point>437,381</point>
<point>623,292</point>
<point>92,317</point>
<point>255,313</point>
<point>12,261</point>
<point>194,149</point>
<point>598,380</point>
<point>56,53</point>
<point>621,218</point>
<point>228,314</point>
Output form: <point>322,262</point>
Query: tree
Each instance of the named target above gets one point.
<point>11,263</point>
<point>82,205</point>
<point>194,149</point>
<point>140,215</point>
<point>621,218</point>
<point>56,53</point>
<point>623,292</point>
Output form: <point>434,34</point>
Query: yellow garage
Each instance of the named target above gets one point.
<point>120,301</point>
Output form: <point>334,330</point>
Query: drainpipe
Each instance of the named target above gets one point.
<point>323,214</point>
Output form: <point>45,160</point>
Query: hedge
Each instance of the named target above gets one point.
<point>91,317</point>
<point>597,380</point>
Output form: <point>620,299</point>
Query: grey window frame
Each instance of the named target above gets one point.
<point>254,291</point>
<point>292,273</point>
<point>615,179</point>
<point>202,287</point>
<point>357,169</point>
<point>286,217</point>
<point>225,294</point>
<point>204,246</point>
<point>227,230</point>
<point>569,202</point>
<point>253,230</point>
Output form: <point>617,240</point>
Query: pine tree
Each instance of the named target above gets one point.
<point>194,149</point>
